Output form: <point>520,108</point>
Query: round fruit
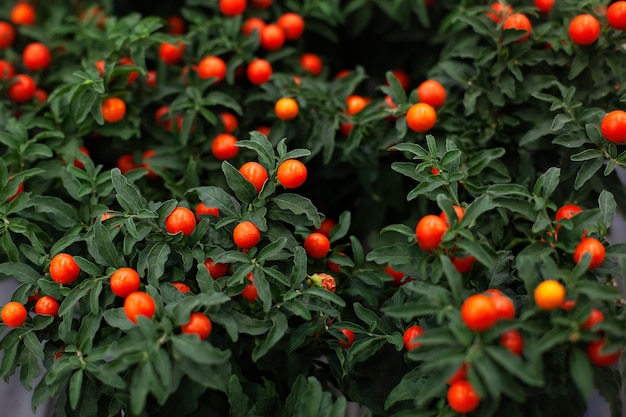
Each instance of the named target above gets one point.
<point>212,67</point>
<point>286,108</point>
<point>479,313</point>
<point>171,54</point>
<point>229,121</point>
<point>597,356</point>
<point>459,375</point>
<point>47,306</point>
<point>7,35</point>
<point>36,56</point>
<point>259,71</point>
<point>349,335</point>
<point>326,226</point>
<point>7,71</point>
<point>14,314</point>
<point>113,109</point>
<point>500,11</point>
<point>513,341</point>
<point>616,14</point>
<point>410,335</point>
<point>255,173</point>
<point>181,219</point>
<point>201,209</point>
<point>132,76</point>
<point>181,286</point>
<point>146,165</point>
<point>421,117</point>
<point>251,24</point>
<point>246,235</point>
<point>594,318</point>
<point>250,292</point>
<point>23,14</point>
<point>462,397</point>
<point>216,270</point>
<point>175,25</point>
<point>429,232</point>
<point>504,307</point>
<point>549,294</point>
<point>567,212</point>
<point>356,103</point>
<point>223,146</point>
<point>584,29</point>
<point>272,37</point>
<point>124,281</point>
<point>138,304</point>
<point>63,269</point>
<point>316,245</point>
<point>402,77</point>
<point>232,7</point>
<point>594,248</point>
<point>199,324</point>
<point>292,25</point>
<point>291,173</point>
<point>613,127</point>
<point>22,88</point>
<point>518,21</point>
<point>311,63</point>
<point>460,211</point>
<point>463,265</point>
<point>544,6</point>
<point>432,92</point>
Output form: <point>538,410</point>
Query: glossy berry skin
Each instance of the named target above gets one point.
<point>544,6</point>
<point>36,56</point>
<point>7,35</point>
<point>549,295</point>
<point>139,304</point>
<point>326,226</point>
<point>216,270</point>
<point>613,127</point>
<point>198,324</point>
<point>292,25</point>
<point>616,15</point>
<point>259,71</point>
<point>311,63</point>
<point>504,307</point>
<point>410,335</point>
<point>432,92</point>
<point>251,24</point>
<point>181,286</point>
<point>232,8</point>
<point>459,211</point>
<point>124,281</point>
<point>584,29</point>
<point>14,314</point>
<point>349,336</point>
<point>459,375</point>
<point>598,357</point>
<point>23,14</point>
<point>212,67</point>
<point>255,173</point>
<point>429,232</point>
<point>272,37</point>
<point>518,21</point>
<point>291,173</point>
<point>462,397</point>
<point>594,248</point>
<point>594,318</point>
<point>567,212</point>
<point>463,265</point>
<point>22,88</point>
<point>63,269</point>
<point>229,121</point>
<point>7,70</point>
<point>316,245</point>
<point>250,292</point>
<point>223,146</point>
<point>113,109</point>
<point>286,108</point>
<point>181,219</point>
<point>246,235</point>
<point>171,54</point>
<point>513,341</point>
<point>500,11</point>
<point>479,313</point>
<point>201,210</point>
<point>47,306</point>
<point>421,117</point>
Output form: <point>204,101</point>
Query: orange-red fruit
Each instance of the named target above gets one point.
<point>22,88</point>
<point>251,24</point>
<point>504,307</point>
<point>584,29</point>
<point>255,173</point>
<point>181,219</point>
<point>459,375</point>
<point>410,335</point>
<point>326,226</point>
<point>594,248</point>
<point>518,21</point>
<point>458,210</point>
<point>124,281</point>
<point>429,232</point>
<point>175,25</point>
<point>246,235</point>
<point>36,56</point>
<point>613,127</point>
<point>462,397</point>
<point>513,341</point>
<point>7,70</point>
<point>349,334</point>
<point>223,146</point>
<point>292,25</point>
<point>616,15</point>
<point>14,314</point>
<point>201,209</point>
<point>139,304</point>
<point>259,71</point>
<point>421,117</point>
<point>216,269</point>
<point>171,54</point>
<point>286,108</point>
<point>272,37</point>
<point>463,265</point>
<point>23,14</point>
<point>64,269</point>
<point>291,173</point>
<point>567,212</point>
<point>229,121</point>
<point>47,306</point>
<point>316,245</point>
<point>597,356</point>
<point>7,35</point>
<point>232,7</point>
<point>250,292</point>
<point>479,313</point>
<point>212,67</point>
<point>113,109</point>
<point>181,286</point>
<point>500,11</point>
<point>594,318</point>
<point>199,324</point>
<point>432,92</point>
<point>311,63</point>
<point>549,294</point>
<point>544,6</point>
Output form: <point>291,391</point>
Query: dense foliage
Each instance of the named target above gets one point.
<point>271,208</point>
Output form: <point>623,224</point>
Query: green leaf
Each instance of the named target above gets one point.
<point>587,170</point>
<point>475,209</point>
<point>67,306</point>
<point>274,251</point>
<point>217,197</point>
<point>299,206</point>
<point>201,352</point>
<point>546,184</point>
<point>455,279</point>
<point>411,310</point>
<point>410,383</point>
<point>22,272</point>
<point>64,215</point>
<point>100,245</point>
<point>262,147</point>
<point>34,345</point>
<point>607,205</point>
<point>276,332</point>
<point>75,386</point>
<point>127,194</point>
<point>243,189</point>
<point>153,259</point>
<point>581,372</point>
<point>368,317</point>
<point>514,365</point>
